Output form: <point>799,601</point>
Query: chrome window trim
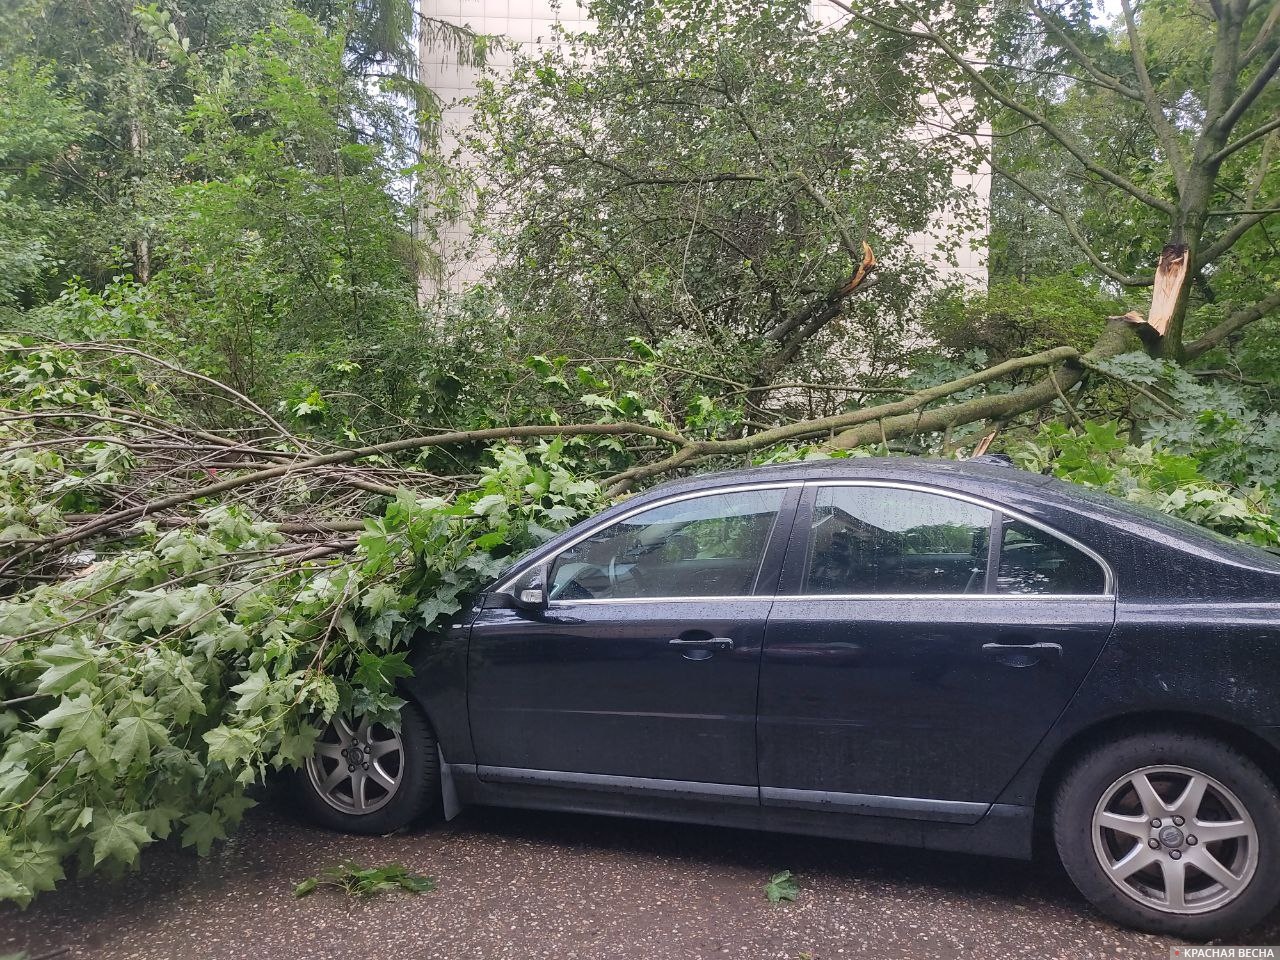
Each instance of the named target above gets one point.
<point>550,559</point>
<point>811,597</point>
<point>754,598</point>
<point>1108,576</point>
<point>949,597</point>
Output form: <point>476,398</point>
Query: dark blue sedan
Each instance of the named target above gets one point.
<point>931,653</point>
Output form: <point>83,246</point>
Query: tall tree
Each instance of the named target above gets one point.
<point>718,174</point>
<point>1163,128</point>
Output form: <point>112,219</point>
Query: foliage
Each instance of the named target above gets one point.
<point>782,886</point>
<point>242,465</point>
<point>1012,316</point>
<point>36,127</point>
<point>703,175</point>
<point>355,880</point>
<point>154,678</point>
<point>1099,455</point>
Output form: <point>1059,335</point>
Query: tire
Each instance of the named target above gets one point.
<point>1103,824</point>
<point>400,771</point>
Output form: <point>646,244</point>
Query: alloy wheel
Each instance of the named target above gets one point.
<point>357,770</point>
<point>1175,839</point>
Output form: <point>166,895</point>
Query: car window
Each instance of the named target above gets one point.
<point>709,546</point>
<point>1033,561</point>
<point>885,540</point>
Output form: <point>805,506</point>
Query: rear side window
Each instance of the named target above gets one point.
<point>1035,562</point>
<point>886,540</point>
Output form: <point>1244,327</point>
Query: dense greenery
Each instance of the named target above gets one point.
<point>244,462</point>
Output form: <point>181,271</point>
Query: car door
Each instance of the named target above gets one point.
<point>921,644</point>
<point>645,662</point>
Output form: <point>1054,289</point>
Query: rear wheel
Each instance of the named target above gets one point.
<point>1172,833</point>
<point>368,778</point>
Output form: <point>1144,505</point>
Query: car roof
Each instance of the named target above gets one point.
<point>972,474</point>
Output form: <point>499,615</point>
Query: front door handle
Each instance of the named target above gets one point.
<point>707,643</point>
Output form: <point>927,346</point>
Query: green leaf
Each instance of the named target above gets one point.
<point>416,884</point>
<point>781,886</point>
<point>12,889</point>
<point>81,725</point>
<point>379,674</point>
<point>307,886</point>
<point>202,830</point>
<point>68,664</point>
<point>490,505</point>
<point>119,836</point>
<point>132,738</point>
<point>233,747</point>
<point>35,865</point>
<point>254,692</point>
<point>642,349</point>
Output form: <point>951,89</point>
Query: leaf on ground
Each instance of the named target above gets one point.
<point>360,881</point>
<point>781,886</point>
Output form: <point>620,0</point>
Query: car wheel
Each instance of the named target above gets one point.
<point>368,778</point>
<point>1173,833</point>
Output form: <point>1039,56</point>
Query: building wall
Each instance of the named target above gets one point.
<point>528,24</point>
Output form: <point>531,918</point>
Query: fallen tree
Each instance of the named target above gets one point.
<point>190,589</point>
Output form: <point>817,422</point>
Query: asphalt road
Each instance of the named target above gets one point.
<point>524,885</point>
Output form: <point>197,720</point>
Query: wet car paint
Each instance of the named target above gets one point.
<point>859,702</point>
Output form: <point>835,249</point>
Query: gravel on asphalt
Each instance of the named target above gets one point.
<point>528,885</point>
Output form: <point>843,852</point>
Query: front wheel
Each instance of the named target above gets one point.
<point>368,778</point>
<point>1172,833</point>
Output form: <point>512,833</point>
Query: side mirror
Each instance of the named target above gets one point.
<point>529,593</point>
<point>534,597</point>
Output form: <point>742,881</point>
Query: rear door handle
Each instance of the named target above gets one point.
<point>1021,654</point>
<point>707,643</point>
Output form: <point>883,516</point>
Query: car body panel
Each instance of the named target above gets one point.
<point>896,697</point>
<point>597,688</point>
<point>1196,634</point>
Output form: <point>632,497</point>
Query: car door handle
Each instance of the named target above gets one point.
<point>706,643</point>
<point>1021,654</point>
<point>1040,647</point>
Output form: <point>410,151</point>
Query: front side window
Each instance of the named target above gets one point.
<point>709,546</point>
<point>885,540</point>
<point>1035,562</point>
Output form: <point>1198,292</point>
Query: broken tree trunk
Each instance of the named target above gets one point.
<point>1171,275</point>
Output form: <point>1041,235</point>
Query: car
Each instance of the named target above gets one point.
<point>943,654</point>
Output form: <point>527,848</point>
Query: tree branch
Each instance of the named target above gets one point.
<point>1247,222</point>
<point>1155,111</point>
<point>1248,138</point>
<point>1086,62</point>
<point>117,518</point>
<point>1074,232</point>
<point>1081,155</point>
<point>1234,323</point>
<point>1250,93</point>
<point>868,416</point>
<point>1119,337</point>
<point>1262,36</point>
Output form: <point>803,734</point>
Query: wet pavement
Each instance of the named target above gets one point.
<point>525,885</point>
